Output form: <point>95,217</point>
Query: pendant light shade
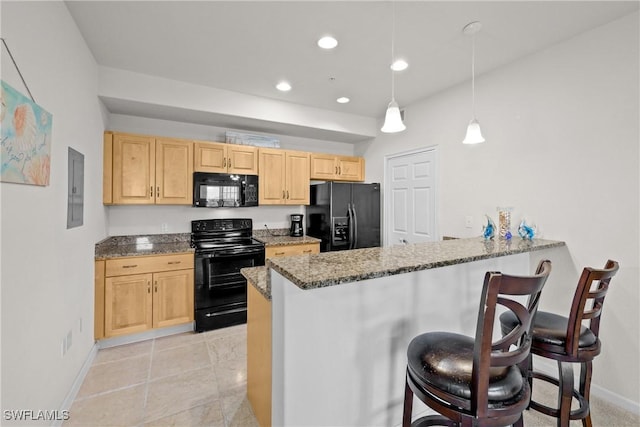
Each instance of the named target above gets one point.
<point>393,119</point>
<point>474,134</point>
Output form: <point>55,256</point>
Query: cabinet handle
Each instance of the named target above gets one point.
<point>339,170</point>
<point>229,162</point>
<point>336,169</point>
<point>151,191</point>
<point>155,286</point>
<point>279,253</point>
<point>224,162</point>
<point>308,251</point>
<point>149,287</point>
<point>158,192</point>
<point>283,194</point>
<point>287,194</point>
<point>174,262</point>
<point>130,266</point>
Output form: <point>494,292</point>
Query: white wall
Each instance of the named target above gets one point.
<point>177,219</point>
<point>562,149</point>
<point>47,270</point>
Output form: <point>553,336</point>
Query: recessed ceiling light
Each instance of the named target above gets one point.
<point>399,65</point>
<point>283,86</point>
<point>327,42</point>
<point>343,100</point>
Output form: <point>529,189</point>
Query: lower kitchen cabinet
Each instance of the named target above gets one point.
<point>288,250</point>
<point>158,293</point>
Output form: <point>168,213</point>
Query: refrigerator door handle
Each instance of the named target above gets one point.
<point>350,222</point>
<point>355,226</point>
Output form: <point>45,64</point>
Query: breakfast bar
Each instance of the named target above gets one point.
<point>327,333</point>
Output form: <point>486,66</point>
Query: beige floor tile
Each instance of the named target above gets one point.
<point>209,415</point>
<point>230,347</point>
<point>119,408</point>
<point>179,359</point>
<point>123,351</point>
<point>231,375</point>
<point>114,375</point>
<point>237,409</point>
<point>170,395</point>
<point>224,332</point>
<point>177,340</point>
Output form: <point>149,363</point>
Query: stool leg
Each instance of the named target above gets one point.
<point>565,393</point>
<point>408,404</point>
<point>586,370</point>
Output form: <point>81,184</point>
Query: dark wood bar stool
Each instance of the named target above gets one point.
<point>568,341</point>
<point>477,381</point>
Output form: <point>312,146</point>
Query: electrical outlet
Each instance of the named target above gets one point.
<point>468,221</point>
<point>165,227</point>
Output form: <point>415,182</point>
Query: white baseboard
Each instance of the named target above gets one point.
<point>549,367</point>
<point>77,383</point>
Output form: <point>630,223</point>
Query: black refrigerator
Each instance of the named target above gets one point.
<point>344,215</point>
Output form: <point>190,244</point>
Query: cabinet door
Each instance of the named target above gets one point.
<point>210,157</point>
<point>271,164</point>
<point>297,179</point>
<point>174,172</point>
<point>323,166</point>
<point>350,169</point>
<point>172,298</point>
<point>242,159</point>
<point>128,304</point>
<point>133,169</point>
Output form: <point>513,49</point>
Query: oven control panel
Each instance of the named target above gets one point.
<point>204,225</point>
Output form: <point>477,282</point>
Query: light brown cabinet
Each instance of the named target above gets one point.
<point>141,169</point>
<point>225,158</point>
<point>134,294</point>
<point>284,177</point>
<point>329,167</point>
<point>288,250</point>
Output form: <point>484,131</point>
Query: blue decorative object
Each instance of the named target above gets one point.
<point>526,231</point>
<point>489,230</point>
<point>508,235</point>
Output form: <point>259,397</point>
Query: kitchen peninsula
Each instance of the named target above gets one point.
<point>335,326</point>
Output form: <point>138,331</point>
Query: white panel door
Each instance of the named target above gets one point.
<point>410,197</point>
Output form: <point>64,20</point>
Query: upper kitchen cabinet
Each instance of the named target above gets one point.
<point>141,169</point>
<point>225,158</point>
<point>329,167</point>
<point>284,177</point>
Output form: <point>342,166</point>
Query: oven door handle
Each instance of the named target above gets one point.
<point>231,252</point>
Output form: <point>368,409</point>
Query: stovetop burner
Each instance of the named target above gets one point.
<point>212,234</point>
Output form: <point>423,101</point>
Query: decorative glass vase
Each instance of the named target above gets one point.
<point>504,222</point>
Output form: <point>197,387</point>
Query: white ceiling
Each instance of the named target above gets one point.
<point>248,46</point>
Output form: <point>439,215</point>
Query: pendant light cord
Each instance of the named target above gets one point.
<point>473,76</point>
<point>393,33</point>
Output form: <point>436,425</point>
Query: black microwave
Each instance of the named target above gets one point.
<point>221,190</point>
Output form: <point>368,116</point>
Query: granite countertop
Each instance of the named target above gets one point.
<point>141,245</point>
<point>280,237</point>
<point>257,277</point>
<point>333,268</point>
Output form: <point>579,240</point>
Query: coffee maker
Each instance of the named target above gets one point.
<point>296,226</point>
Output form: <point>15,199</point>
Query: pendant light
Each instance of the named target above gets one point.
<point>393,119</point>
<point>474,135</point>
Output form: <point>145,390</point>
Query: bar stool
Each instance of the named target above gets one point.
<point>474,381</point>
<point>568,341</point>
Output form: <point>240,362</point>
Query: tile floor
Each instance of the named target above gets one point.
<point>200,380</point>
<point>182,380</point>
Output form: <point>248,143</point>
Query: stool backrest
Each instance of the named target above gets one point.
<point>512,349</point>
<point>592,286</point>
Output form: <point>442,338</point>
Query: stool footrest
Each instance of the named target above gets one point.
<point>433,420</point>
<point>576,414</point>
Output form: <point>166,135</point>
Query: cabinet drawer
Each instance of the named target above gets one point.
<point>148,264</point>
<point>288,250</point>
